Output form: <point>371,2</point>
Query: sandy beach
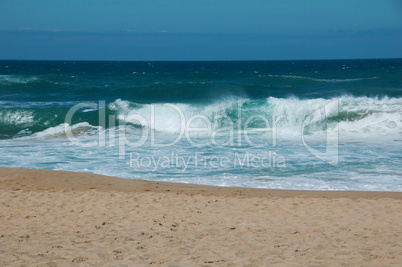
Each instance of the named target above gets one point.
<point>57,218</point>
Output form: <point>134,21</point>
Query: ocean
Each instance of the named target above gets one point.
<point>306,125</point>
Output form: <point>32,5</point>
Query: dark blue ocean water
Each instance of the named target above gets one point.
<point>329,124</point>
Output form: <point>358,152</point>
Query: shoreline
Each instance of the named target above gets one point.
<point>40,179</point>
<point>59,218</point>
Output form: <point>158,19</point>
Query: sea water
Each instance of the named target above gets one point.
<point>314,125</point>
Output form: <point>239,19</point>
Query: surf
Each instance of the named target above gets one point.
<point>364,116</point>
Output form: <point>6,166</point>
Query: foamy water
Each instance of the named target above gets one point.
<point>209,124</point>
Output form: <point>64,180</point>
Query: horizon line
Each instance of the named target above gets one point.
<point>203,60</point>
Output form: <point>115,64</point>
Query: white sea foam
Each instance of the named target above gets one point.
<point>320,80</point>
<point>16,117</point>
<point>17,79</point>
<point>59,131</point>
<point>42,105</point>
<point>369,153</point>
<point>369,117</point>
<point>357,117</point>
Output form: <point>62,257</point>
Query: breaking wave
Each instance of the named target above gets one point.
<point>355,116</point>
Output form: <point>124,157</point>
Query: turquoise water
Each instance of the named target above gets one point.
<point>315,125</point>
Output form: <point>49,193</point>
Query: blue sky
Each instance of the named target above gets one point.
<point>200,29</point>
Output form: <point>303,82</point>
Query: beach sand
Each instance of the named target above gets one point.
<point>57,218</point>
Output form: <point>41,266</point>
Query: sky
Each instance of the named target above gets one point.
<point>200,29</point>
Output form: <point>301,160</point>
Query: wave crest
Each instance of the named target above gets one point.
<point>320,80</point>
<point>17,79</point>
<point>354,114</point>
